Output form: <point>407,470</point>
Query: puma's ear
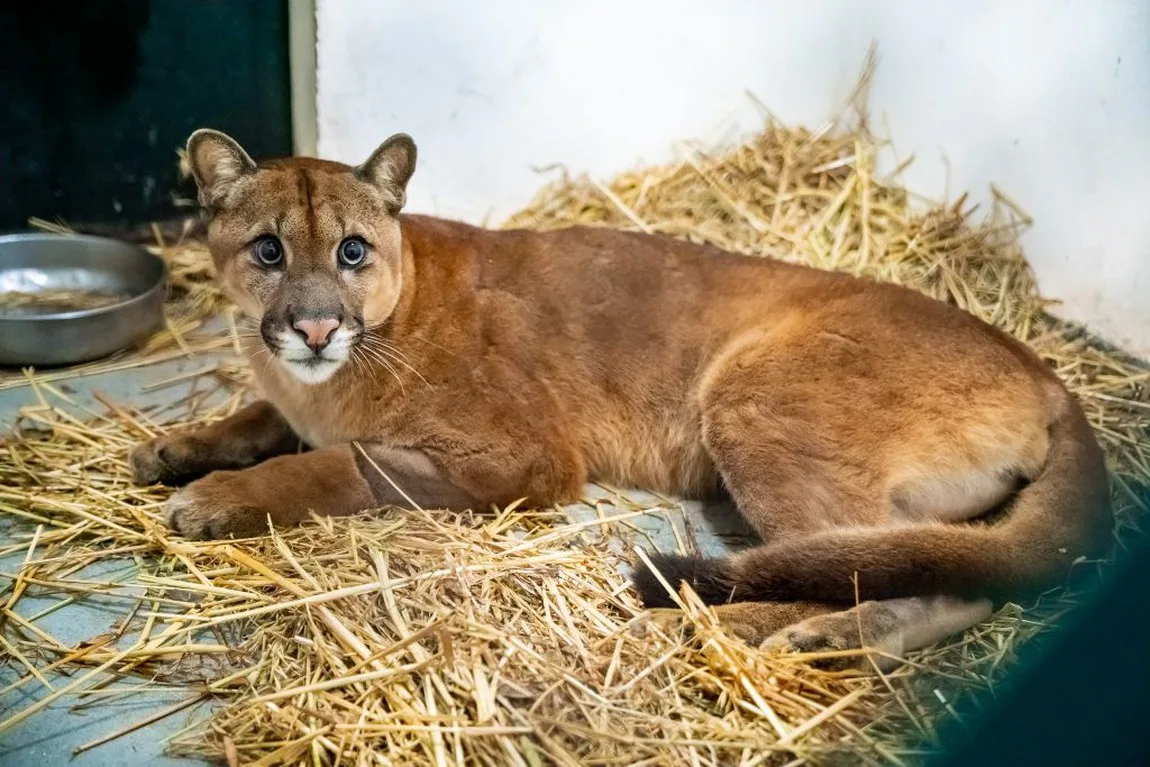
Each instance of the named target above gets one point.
<point>390,167</point>
<point>217,161</point>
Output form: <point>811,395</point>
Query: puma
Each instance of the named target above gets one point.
<point>865,431</point>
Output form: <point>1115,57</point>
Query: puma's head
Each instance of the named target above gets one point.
<point>310,249</point>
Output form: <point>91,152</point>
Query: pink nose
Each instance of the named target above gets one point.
<point>317,333</point>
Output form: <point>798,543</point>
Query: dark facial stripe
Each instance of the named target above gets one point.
<point>306,189</point>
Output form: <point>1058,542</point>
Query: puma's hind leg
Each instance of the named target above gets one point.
<point>819,469</point>
<point>793,464</point>
<point>812,431</point>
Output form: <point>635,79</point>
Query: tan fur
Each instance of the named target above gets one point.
<point>858,426</point>
<point>883,631</point>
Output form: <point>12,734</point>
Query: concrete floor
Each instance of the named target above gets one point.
<point>50,736</point>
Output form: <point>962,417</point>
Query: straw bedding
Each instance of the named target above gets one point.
<point>509,636</point>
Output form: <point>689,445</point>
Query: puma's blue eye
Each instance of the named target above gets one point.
<point>268,251</point>
<point>352,251</point>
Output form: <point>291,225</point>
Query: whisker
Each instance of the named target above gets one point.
<point>267,354</point>
<point>390,353</point>
<point>365,365</point>
<point>392,346</point>
<point>383,353</point>
<point>355,359</point>
<point>385,345</point>
<point>373,354</point>
<point>382,345</point>
<point>432,343</point>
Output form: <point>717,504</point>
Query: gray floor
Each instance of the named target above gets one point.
<point>50,736</point>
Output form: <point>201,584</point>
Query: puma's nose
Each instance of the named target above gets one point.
<point>316,333</point>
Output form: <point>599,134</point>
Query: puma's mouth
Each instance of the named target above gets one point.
<point>312,366</point>
<point>312,370</point>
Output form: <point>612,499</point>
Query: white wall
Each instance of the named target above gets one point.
<point>1049,99</point>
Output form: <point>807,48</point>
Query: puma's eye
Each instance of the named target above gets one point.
<point>352,251</point>
<point>268,251</point>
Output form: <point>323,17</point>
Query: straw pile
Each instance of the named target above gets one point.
<point>510,636</point>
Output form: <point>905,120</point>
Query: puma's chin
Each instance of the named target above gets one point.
<point>312,370</point>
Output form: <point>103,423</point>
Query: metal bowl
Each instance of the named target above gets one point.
<point>42,264</point>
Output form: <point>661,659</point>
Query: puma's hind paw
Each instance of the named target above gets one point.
<point>836,633</point>
<point>804,639</point>
<point>799,640</point>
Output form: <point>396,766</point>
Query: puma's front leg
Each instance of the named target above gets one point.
<point>333,481</point>
<point>244,439</point>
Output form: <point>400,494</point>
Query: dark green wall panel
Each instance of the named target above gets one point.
<point>99,95</point>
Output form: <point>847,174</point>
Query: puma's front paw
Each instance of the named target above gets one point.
<point>146,462</point>
<point>163,459</point>
<point>216,506</point>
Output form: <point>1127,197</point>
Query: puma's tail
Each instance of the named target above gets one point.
<point>1063,514</point>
